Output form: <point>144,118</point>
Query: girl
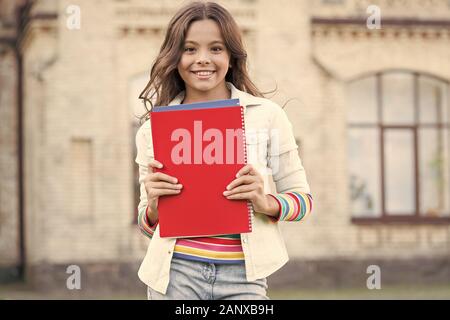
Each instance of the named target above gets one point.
<point>202,58</point>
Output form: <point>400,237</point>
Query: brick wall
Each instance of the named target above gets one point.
<point>80,88</point>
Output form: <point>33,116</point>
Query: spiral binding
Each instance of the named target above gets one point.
<point>249,204</point>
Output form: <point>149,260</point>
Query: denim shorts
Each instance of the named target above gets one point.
<point>196,280</point>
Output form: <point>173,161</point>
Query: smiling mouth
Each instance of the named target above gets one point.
<point>203,73</point>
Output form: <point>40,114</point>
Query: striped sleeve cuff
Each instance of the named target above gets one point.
<point>144,224</point>
<point>294,206</point>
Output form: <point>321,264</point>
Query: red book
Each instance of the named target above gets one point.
<point>204,149</point>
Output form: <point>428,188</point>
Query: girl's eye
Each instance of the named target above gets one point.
<point>214,49</point>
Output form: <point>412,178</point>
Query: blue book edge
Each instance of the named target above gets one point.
<point>199,105</point>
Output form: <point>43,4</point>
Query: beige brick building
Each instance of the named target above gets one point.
<point>370,106</point>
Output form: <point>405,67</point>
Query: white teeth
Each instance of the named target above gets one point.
<point>204,73</point>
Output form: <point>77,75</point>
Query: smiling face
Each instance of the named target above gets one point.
<point>204,62</point>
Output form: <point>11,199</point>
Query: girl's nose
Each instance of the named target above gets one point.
<point>203,57</point>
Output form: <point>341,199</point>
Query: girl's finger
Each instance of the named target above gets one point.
<point>244,188</point>
<point>244,179</point>
<point>155,163</point>
<point>159,176</point>
<point>241,196</point>
<point>166,185</point>
<point>164,192</point>
<point>247,169</point>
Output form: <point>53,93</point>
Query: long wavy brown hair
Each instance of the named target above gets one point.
<point>165,82</point>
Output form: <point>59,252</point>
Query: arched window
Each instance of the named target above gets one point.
<point>398,148</point>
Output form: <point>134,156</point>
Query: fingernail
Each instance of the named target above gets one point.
<point>228,187</point>
<point>237,175</point>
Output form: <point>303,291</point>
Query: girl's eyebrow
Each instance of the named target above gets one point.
<point>212,42</point>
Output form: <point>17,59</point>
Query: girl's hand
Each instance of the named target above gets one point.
<point>158,184</point>
<point>249,185</point>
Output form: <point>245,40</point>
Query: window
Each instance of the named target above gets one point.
<point>398,148</point>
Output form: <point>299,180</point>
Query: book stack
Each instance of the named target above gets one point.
<point>203,146</point>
